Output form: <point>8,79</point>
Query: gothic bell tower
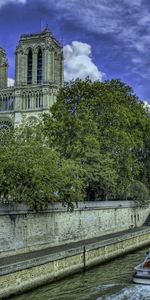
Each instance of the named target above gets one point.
<point>39,60</point>
<point>38,78</point>
<point>3,69</point>
<point>38,73</point>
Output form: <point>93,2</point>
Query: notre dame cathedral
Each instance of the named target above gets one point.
<point>38,77</point>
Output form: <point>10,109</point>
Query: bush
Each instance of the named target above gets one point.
<point>138,192</point>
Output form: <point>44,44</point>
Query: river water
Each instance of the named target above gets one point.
<point>112,281</point>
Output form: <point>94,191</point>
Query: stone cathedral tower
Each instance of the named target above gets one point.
<point>38,77</point>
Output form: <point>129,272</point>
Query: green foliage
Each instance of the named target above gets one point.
<point>138,192</point>
<point>33,173</point>
<point>102,127</point>
<point>93,145</point>
<point>144,154</point>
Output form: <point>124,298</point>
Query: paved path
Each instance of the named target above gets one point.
<point>5,261</point>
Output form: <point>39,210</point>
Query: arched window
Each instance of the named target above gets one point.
<point>39,66</point>
<point>29,74</point>
<point>29,100</point>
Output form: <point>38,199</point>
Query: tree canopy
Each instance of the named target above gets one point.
<point>94,145</point>
<point>105,128</point>
<point>35,174</point>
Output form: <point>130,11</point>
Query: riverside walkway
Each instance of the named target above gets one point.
<point>12,263</point>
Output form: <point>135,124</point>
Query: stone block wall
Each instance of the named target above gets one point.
<point>22,229</point>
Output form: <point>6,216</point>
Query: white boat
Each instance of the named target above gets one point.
<point>142,271</point>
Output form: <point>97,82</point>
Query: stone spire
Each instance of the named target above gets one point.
<point>46,29</point>
<point>3,69</point>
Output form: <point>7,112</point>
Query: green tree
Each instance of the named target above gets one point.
<point>35,174</point>
<point>138,192</point>
<point>93,145</point>
<point>144,153</point>
<point>99,125</point>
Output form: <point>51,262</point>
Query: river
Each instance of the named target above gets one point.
<point>112,281</point>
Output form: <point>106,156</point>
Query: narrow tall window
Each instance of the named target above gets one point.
<point>39,66</point>
<point>29,74</point>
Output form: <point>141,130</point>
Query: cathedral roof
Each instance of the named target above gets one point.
<point>44,33</point>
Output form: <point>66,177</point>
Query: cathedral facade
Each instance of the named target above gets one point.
<point>38,77</point>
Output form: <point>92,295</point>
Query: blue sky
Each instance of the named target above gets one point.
<point>104,39</point>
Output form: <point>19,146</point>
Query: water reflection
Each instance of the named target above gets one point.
<point>137,292</point>
<point>112,281</point>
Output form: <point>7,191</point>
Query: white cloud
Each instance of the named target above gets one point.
<point>147,105</point>
<point>123,26</point>
<point>4,2</point>
<point>11,82</point>
<point>127,21</point>
<point>78,62</point>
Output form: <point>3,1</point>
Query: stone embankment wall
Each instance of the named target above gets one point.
<point>31,274</point>
<point>37,248</point>
<point>23,230</point>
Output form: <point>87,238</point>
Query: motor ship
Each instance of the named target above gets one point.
<point>141,273</point>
